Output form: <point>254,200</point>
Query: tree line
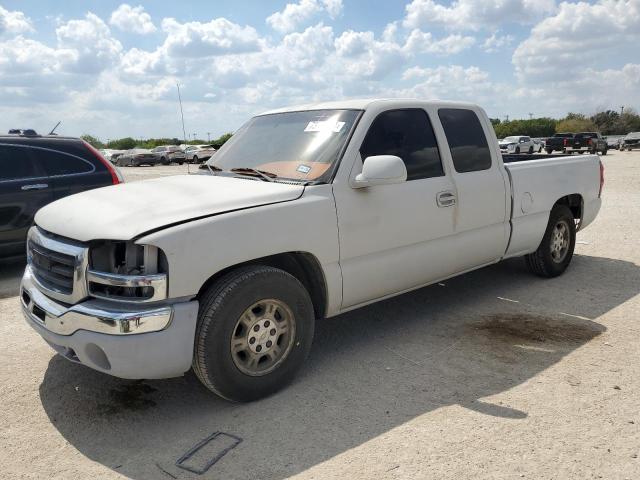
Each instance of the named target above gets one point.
<point>607,122</point>
<point>128,143</point>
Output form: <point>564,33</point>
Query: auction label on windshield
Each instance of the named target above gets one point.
<point>324,126</point>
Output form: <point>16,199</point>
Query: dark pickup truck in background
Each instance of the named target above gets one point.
<point>591,142</point>
<point>558,142</point>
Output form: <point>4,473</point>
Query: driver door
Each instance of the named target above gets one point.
<point>395,237</point>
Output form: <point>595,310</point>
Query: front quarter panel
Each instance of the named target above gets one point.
<point>199,249</point>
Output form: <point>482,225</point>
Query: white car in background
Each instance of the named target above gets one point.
<point>110,154</point>
<point>517,144</point>
<point>198,153</point>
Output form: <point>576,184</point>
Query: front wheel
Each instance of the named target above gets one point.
<point>255,329</point>
<point>195,159</point>
<point>554,254</point>
<point>549,151</point>
<point>530,150</point>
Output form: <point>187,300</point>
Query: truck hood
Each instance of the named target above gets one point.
<point>125,211</point>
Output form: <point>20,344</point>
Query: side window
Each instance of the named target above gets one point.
<point>16,163</point>
<point>467,141</point>
<point>407,134</point>
<point>59,163</point>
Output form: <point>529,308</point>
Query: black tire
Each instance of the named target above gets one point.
<point>604,152</point>
<point>180,163</point>
<point>530,150</point>
<point>517,150</point>
<point>541,262</point>
<point>195,159</point>
<point>221,307</point>
<point>549,151</point>
<point>164,161</point>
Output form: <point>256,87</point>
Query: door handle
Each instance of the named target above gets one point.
<point>35,186</point>
<point>446,199</point>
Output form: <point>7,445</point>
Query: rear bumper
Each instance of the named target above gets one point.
<point>107,339</point>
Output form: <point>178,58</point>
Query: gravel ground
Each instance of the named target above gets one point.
<point>494,374</point>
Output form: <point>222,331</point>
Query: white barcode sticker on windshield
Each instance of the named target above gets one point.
<point>324,126</point>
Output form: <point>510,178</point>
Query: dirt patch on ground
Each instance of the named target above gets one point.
<point>538,328</point>
<point>131,397</point>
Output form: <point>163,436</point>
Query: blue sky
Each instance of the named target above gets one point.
<point>110,68</point>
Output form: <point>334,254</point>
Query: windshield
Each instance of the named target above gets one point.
<point>293,145</point>
<point>633,136</point>
<point>511,139</point>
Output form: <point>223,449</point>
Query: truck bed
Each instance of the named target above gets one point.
<point>536,184</point>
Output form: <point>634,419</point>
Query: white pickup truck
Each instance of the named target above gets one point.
<point>305,213</point>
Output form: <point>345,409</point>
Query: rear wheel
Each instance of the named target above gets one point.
<point>554,254</point>
<point>195,159</point>
<point>255,329</point>
<point>517,150</point>
<point>549,151</point>
<point>604,152</point>
<point>530,150</point>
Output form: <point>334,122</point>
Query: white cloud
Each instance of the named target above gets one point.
<point>496,42</point>
<point>579,34</point>
<point>475,14</point>
<point>421,42</point>
<point>132,19</point>
<point>14,22</point>
<point>296,14</point>
<point>91,39</point>
<point>217,37</point>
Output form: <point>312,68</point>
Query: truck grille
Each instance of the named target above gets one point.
<point>53,268</point>
<point>58,266</point>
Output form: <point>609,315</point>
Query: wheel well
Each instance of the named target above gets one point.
<point>575,204</point>
<point>303,266</point>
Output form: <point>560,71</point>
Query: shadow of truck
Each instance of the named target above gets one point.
<point>370,370</point>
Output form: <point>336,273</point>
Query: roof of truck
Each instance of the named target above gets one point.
<point>363,104</point>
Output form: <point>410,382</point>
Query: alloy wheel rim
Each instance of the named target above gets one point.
<point>262,337</point>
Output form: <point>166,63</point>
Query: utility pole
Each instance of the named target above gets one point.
<point>194,137</point>
<point>506,118</point>
<point>621,109</point>
<point>208,137</point>
<point>530,115</point>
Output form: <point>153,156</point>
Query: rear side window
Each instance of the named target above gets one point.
<point>60,163</point>
<point>16,163</point>
<point>406,134</point>
<point>467,141</point>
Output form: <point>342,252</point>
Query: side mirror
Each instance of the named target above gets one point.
<point>381,170</point>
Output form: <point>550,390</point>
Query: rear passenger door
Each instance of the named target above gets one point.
<point>24,189</point>
<point>68,171</point>
<point>481,225</point>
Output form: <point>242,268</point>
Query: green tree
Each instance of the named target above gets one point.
<point>218,142</point>
<point>125,143</point>
<point>534,127</point>
<point>93,141</point>
<point>576,123</point>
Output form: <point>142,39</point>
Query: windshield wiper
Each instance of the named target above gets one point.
<point>212,168</point>
<point>254,172</point>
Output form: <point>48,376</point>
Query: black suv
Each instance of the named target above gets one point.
<point>36,170</point>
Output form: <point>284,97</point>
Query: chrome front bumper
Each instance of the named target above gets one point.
<point>126,342</point>
<point>91,315</point>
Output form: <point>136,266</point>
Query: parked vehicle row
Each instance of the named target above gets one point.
<point>37,170</point>
<point>387,196</point>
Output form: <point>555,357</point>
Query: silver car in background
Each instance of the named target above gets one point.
<point>198,153</point>
<point>136,157</point>
<point>169,153</point>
